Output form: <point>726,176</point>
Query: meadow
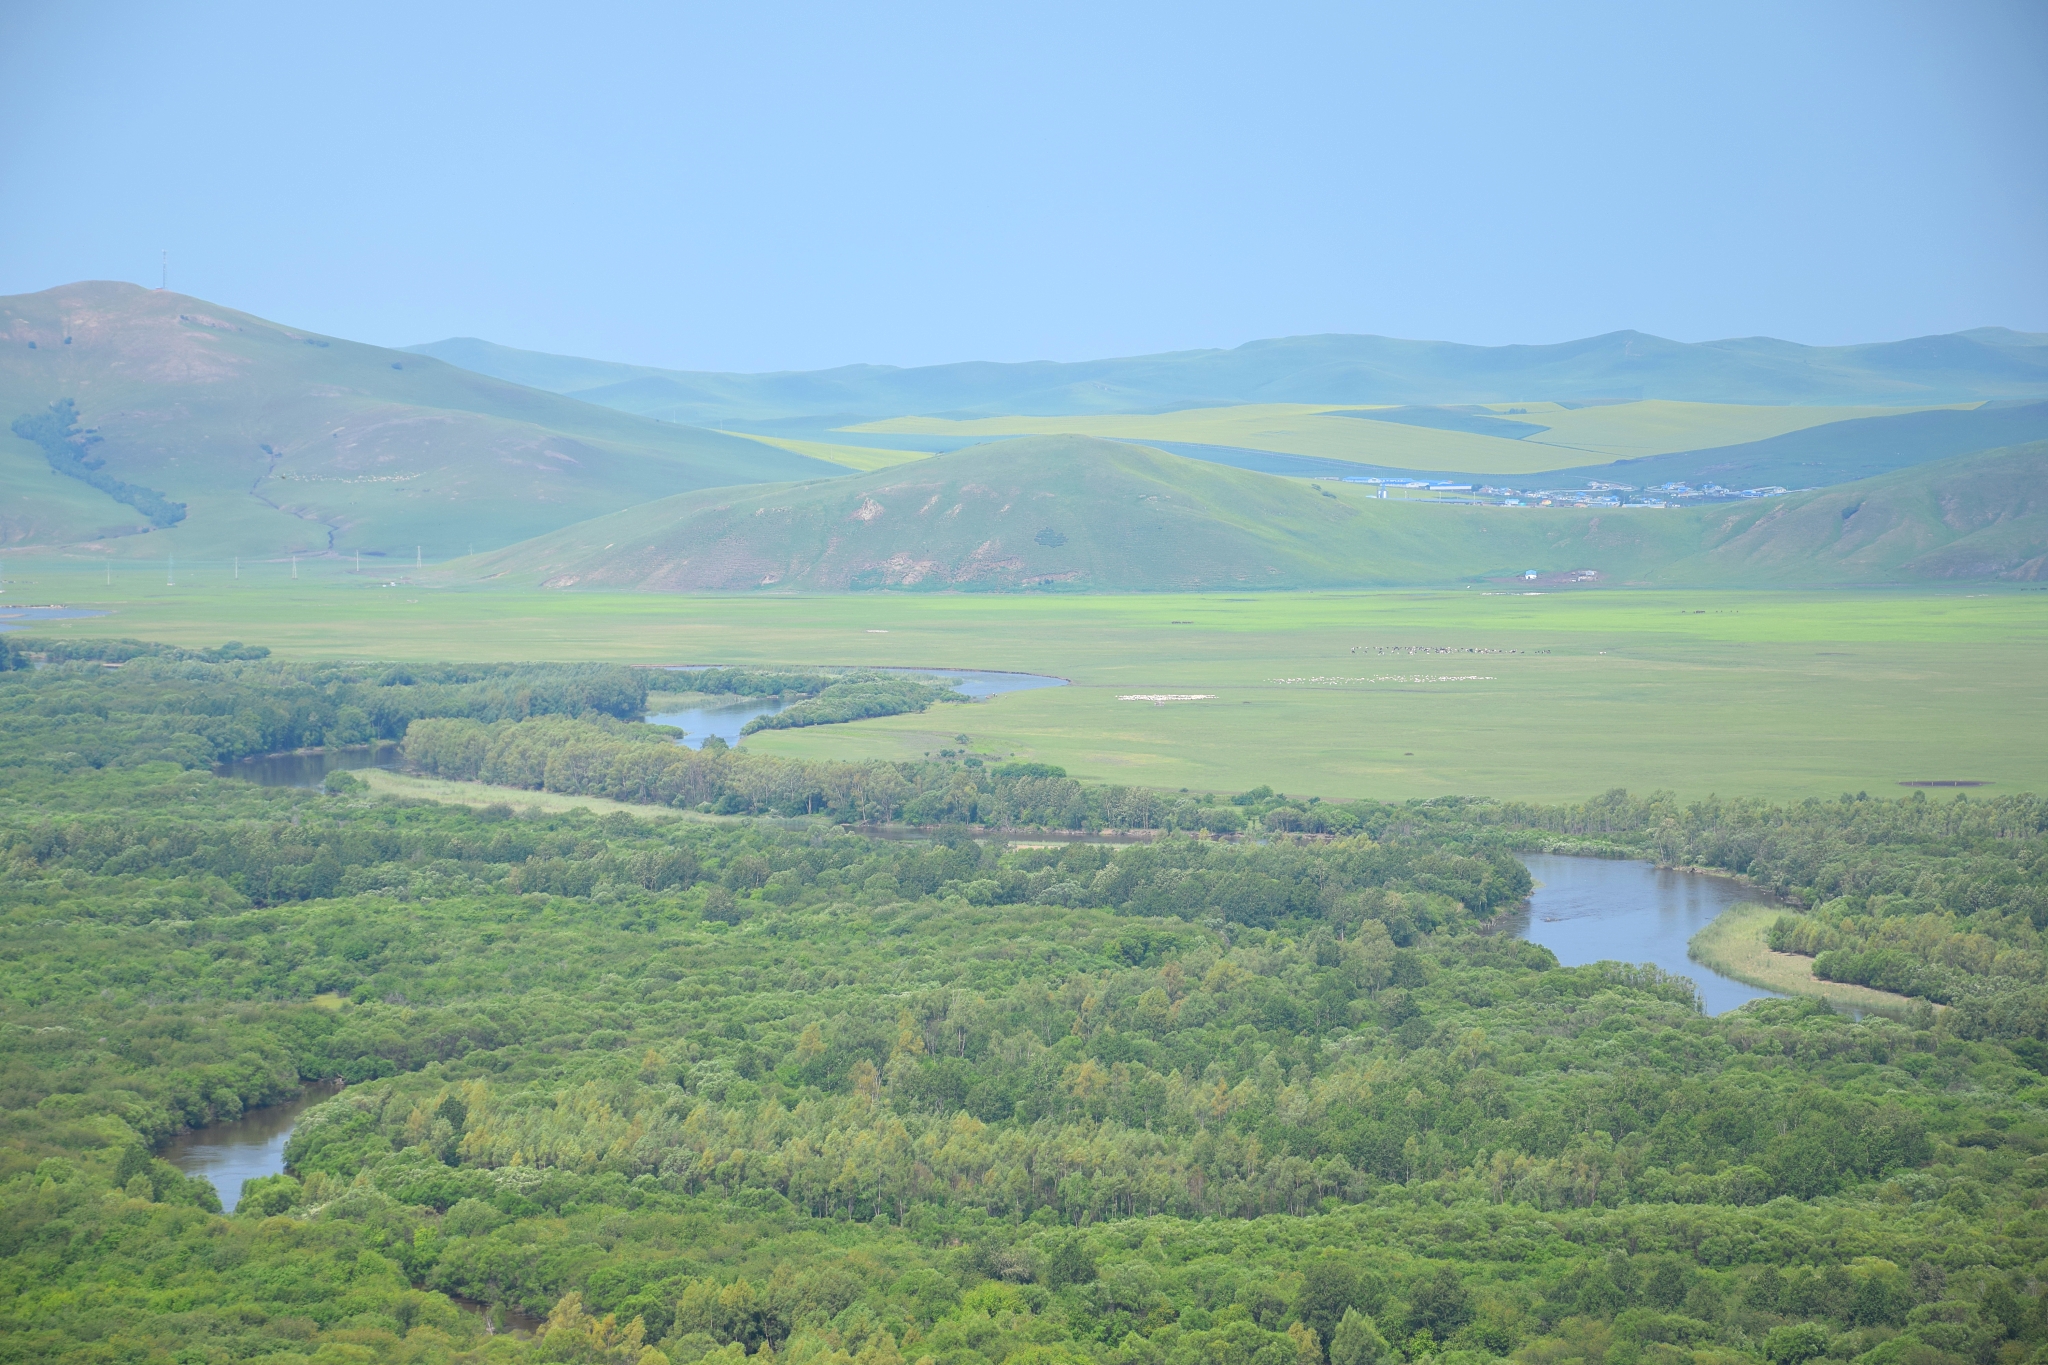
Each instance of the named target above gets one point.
<point>1554,695</point>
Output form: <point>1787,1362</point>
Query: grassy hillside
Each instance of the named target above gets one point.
<point>1069,512</point>
<point>1986,363</point>
<point>278,441</point>
<point>1075,513</point>
<point>1837,452</point>
<point>1975,517</point>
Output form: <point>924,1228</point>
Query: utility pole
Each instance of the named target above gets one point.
<point>416,561</point>
<point>238,568</point>
<point>295,568</point>
<point>171,572</point>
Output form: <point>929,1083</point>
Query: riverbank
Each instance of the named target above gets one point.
<point>478,795</point>
<point>1737,944</point>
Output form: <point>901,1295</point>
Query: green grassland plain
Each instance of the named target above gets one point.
<point>1779,694</point>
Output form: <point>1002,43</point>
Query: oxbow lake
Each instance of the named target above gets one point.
<point>725,718</point>
<point>1610,910</point>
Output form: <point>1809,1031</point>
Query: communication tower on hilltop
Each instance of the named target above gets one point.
<point>165,283</point>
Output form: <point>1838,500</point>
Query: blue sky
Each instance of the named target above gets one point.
<point>766,186</point>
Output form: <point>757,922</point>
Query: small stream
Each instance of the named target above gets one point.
<point>1589,910</point>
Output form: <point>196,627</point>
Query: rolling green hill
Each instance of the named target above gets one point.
<point>1980,517</point>
<point>206,432</point>
<point>1834,452</point>
<point>1987,363</point>
<point>1079,514</point>
<point>1033,513</point>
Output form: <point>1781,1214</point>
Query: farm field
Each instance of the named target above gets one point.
<point>858,458</point>
<point>1559,437</point>
<point>1780,694</point>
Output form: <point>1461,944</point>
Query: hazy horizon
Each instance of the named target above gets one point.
<point>1223,346</point>
<point>761,191</point>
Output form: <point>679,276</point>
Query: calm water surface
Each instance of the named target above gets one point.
<point>231,1154</point>
<point>725,718</point>
<point>1608,910</point>
<point>310,768</point>
<point>14,618</point>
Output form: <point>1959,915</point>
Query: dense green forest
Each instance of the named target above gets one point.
<point>827,1079</point>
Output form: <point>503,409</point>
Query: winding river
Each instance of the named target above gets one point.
<point>723,717</point>
<point>1584,910</point>
<point>251,1147</point>
<point>1609,910</point>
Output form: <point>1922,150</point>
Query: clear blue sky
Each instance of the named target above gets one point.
<point>761,186</point>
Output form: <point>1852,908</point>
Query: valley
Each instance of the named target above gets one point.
<point>1699,691</point>
<point>943,727</point>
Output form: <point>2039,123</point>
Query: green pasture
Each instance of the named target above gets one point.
<point>1782,694</point>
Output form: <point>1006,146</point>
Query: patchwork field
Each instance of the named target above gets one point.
<point>1557,436</point>
<point>1557,695</point>
<point>858,458</point>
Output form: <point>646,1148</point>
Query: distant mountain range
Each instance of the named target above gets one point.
<point>139,422</point>
<point>1073,513</point>
<point>1986,363</point>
